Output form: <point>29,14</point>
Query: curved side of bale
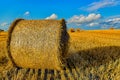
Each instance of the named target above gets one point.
<point>64,43</point>
<point>64,39</point>
<point>38,43</point>
<point>12,26</point>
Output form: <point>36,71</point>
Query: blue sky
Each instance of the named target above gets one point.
<point>84,14</point>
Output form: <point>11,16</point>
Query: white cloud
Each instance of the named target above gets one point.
<point>93,24</point>
<point>94,21</point>
<point>27,13</point>
<point>81,19</point>
<point>114,20</point>
<point>3,24</point>
<point>101,4</point>
<point>53,16</point>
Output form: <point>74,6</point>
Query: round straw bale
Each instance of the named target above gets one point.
<point>38,43</point>
<point>71,30</point>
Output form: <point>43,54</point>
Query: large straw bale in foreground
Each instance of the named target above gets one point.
<point>38,43</point>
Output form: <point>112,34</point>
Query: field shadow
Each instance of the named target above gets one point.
<point>83,58</point>
<point>94,57</point>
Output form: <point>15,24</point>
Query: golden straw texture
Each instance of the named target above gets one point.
<point>38,43</point>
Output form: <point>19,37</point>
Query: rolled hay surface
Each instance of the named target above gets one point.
<point>38,43</point>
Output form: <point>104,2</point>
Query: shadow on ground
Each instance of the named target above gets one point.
<point>76,65</point>
<point>95,57</point>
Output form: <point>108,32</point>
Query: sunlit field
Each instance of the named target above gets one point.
<point>93,55</point>
<point>84,40</point>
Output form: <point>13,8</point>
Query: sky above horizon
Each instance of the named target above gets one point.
<point>84,14</point>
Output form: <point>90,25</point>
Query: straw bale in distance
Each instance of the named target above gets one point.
<point>38,43</point>
<point>71,30</point>
<point>78,30</point>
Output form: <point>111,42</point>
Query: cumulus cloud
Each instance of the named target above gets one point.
<point>81,19</point>
<point>101,4</point>
<point>94,21</point>
<point>27,13</point>
<point>53,16</point>
<point>93,24</point>
<point>3,24</point>
<point>114,22</point>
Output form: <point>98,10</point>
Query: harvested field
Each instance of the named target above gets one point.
<point>93,55</point>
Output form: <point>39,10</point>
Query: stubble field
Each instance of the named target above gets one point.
<point>93,55</point>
